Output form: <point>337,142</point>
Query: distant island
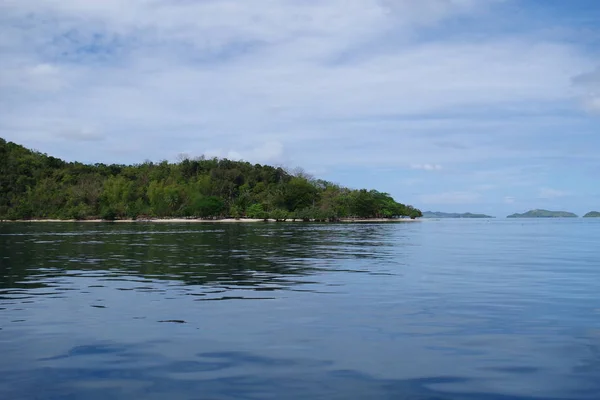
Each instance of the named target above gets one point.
<point>592,214</point>
<point>543,214</point>
<point>439,214</point>
<point>35,186</point>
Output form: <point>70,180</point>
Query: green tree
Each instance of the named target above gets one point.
<point>363,204</point>
<point>299,193</point>
<point>34,185</point>
<point>279,215</point>
<point>257,211</point>
<point>209,206</point>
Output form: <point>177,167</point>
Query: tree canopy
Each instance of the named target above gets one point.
<point>35,185</point>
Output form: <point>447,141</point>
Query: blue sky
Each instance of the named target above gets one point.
<point>455,105</point>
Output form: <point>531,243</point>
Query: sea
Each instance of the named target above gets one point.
<point>491,309</point>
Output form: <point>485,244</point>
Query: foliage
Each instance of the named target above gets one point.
<point>543,214</point>
<point>108,214</point>
<point>256,211</point>
<point>34,185</point>
<point>438,214</point>
<point>279,214</point>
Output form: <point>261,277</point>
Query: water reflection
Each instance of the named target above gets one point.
<point>265,311</point>
<point>121,371</point>
<point>259,256</point>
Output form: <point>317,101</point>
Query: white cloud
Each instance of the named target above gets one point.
<point>485,187</point>
<point>592,103</point>
<point>589,83</point>
<point>325,85</point>
<point>42,77</point>
<point>548,193</point>
<point>509,200</point>
<point>409,182</point>
<point>451,198</point>
<point>269,152</point>
<point>426,167</point>
<point>80,135</point>
<point>276,68</point>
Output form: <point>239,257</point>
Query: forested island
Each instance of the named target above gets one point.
<point>543,214</point>
<point>34,185</point>
<point>438,214</point>
<point>592,214</point>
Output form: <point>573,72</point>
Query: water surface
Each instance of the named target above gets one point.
<point>502,309</point>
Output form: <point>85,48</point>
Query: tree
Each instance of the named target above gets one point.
<point>208,206</point>
<point>256,211</point>
<point>34,185</point>
<point>279,215</point>
<point>363,204</point>
<point>299,193</point>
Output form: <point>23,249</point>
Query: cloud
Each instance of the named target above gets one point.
<point>426,167</point>
<point>509,199</point>
<point>80,135</point>
<point>588,79</point>
<point>409,182</point>
<point>451,198</point>
<point>268,152</point>
<point>281,63</point>
<point>548,193</point>
<point>486,186</point>
<point>589,83</point>
<point>336,86</point>
<point>592,103</point>
<point>451,145</point>
<point>42,77</point>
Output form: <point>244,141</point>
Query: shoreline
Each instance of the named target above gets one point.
<point>223,220</point>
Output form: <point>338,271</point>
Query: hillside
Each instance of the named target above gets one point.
<point>543,214</point>
<point>439,214</point>
<point>592,214</point>
<point>34,185</point>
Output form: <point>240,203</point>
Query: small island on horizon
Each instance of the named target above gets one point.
<point>543,214</point>
<point>439,214</point>
<point>592,214</point>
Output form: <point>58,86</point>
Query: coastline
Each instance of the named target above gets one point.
<point>197,220</point>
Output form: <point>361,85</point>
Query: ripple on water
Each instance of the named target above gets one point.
<point>438,310</point>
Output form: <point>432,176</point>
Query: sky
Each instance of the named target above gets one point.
<point>488,106</point>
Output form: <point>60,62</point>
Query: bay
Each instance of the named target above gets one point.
<point>452,309</point>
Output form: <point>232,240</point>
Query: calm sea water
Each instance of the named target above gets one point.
<point>502,309</point>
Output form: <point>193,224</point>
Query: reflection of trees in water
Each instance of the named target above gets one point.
<point>228,254</point>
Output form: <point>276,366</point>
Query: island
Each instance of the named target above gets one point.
<point>543,214</point>
<point>35,186</point>
<point>592,214</point>
<point>439,214</point>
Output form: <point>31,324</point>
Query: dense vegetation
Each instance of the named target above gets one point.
<point>544,214</point>
<point>34,185</point>
<point>592,214</point>
<point>439,214</point>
